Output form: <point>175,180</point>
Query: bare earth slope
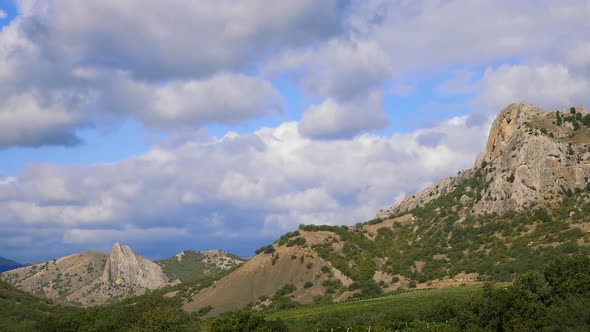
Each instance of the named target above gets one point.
<point>266,273</point>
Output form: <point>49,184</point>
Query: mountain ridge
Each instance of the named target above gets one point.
<point>94,278</point>
<point>523,203</point>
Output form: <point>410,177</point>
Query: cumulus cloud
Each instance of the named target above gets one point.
<point>27,121</point>
<point>179,38</point>
<point>349,75</point>
<point>3,14</point>
<point>549,86</point>
<point>224,98</point>
<point>172,65</point>
<point>344,119</point>
<point>422,35</point>
<point>204,192</point>
<point>342,69</point>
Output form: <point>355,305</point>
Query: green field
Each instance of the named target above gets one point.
<point>406,306</point>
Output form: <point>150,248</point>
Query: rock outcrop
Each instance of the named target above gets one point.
<point>126,267</point>
<point>531,158</point>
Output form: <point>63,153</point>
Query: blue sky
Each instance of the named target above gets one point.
<point>198,125</point>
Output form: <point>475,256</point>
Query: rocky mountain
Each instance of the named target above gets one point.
<point>531,157</point>
<point>190,265</point>
<point>525,202</point>
<point>7,264</point>
<point>91,278</point>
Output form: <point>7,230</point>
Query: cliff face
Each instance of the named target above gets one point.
<point>531,157</point>
<point>125,267</point>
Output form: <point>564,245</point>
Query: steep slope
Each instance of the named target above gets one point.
<point>531,157</point>
<point>525,202</point>
<point>189,265</point>
<point>7,264</point>
<point>90,278</point>
<point>305,273</point>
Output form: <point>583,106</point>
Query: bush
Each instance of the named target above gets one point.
<point>308,284</point>
<point>204,310</point>
<point>510,178</point>
<point>269,249</point>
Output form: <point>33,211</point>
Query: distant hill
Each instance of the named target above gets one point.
<point>525,202</point>
<point>90,278</point>
<point>7,264</point>
<point>190,265</point>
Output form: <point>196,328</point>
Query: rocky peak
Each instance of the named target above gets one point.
<point>125,267</point>
<point>532,156</point>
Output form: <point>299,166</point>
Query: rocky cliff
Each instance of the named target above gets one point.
<point>532,156</point>
<point>126,267</point>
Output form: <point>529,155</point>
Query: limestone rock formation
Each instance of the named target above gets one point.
<point>531,157</point>
<point>126,267</point>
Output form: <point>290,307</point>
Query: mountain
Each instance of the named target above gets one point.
<point>531,156</point>
<point>7,264</point>
<point>525,202</point>
<point>190,265</point>
<point>91,278</point>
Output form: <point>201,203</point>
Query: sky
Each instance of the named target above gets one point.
<point>175,125</point>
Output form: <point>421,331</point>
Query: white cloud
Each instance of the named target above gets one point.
<point>549,86</point>
<point>202,192</point>
<point>223,98</point>
<point>178,38</point>
<point>170,65</point>
<point>339,69</point>
<point>26,120</point>
<point>344,119</point>
<point>427,35</point>
<point>3,14</point>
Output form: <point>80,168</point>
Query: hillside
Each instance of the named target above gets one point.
<point>90,278</point>
<point>20,310</point>
<point>525,202</point>
<point>190,265</point>
<point>7,264</point>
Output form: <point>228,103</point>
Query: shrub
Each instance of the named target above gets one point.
<point>204,310</point>
<point>269,249</point>
<point>308,284</point>
<point>510,178</point>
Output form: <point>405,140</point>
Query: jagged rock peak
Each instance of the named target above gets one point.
<point>125,267</point>
<point>531,157</point>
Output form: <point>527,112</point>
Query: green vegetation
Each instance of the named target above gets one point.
<point>554,299</point>
<point>446,241</point>
<point>193,265</point>
<point>269,249</point>
<point>19,311</point>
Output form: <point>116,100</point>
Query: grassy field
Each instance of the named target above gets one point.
<point>366,312</point>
